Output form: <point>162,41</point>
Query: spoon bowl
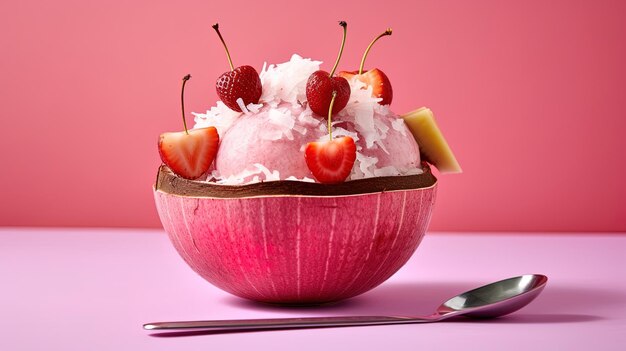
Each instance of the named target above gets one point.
<point>489,301</point>
<point>496,299</point>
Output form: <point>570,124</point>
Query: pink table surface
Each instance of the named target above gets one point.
<point>91,289</point>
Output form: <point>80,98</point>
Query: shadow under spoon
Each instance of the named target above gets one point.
<point>489,301</point>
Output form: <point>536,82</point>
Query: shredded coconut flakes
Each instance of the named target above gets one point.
<point>284,99</point>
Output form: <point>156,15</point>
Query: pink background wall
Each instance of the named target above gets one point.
<point>529,93</point>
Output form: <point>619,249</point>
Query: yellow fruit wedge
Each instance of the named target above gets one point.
<point>433,146</point>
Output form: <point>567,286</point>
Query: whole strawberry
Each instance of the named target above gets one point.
<point>321,85</point>
<point>242,82</point>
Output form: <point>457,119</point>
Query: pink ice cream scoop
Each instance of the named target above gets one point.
<point>269,145</point>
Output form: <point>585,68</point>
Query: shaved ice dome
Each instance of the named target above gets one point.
<point>266,141</point>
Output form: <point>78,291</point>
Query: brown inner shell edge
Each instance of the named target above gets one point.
<point>170,183</point>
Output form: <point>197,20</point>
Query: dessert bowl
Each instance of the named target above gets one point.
<point>293,242</point>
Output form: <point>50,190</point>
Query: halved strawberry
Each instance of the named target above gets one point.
<point>375,78</point>
<point>331,161</point>
<point>189,155</point>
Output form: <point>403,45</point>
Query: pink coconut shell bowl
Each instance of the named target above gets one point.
<point>291,242</point>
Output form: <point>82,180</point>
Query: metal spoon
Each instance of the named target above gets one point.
<point>489,301</point>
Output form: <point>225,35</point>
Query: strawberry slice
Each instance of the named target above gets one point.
<point>189,155</point>
<point>331,161</point>
<point>375,78</point>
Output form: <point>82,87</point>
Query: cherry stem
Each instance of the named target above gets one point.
<point>182,101</point>
<point>387,32</point>
<point>343,43</point>
<point>216,26</point>
<point>330,113</point>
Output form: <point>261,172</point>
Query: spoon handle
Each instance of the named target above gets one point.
<point>284,323</point>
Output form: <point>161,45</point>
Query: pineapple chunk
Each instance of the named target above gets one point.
<point>433,146</point>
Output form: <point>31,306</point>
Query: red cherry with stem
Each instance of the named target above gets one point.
<point>331,161</point>
<point>189,154</point>
<point>239,83</point>
<point>321,84</point>
<point>375,78</point>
